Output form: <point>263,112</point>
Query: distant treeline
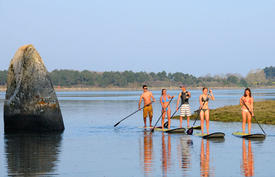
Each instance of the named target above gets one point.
<point>72,78</point>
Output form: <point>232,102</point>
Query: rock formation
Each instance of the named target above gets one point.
<point>31,103</point>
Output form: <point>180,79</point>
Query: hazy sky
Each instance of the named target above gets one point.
<point>190,36</point>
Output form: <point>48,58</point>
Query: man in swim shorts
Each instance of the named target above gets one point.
<point>147,98</point>
<point>185,107</point>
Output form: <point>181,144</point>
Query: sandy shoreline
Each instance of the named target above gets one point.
<point>68,89</point>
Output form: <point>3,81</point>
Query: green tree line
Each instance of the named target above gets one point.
<point>71,78</point>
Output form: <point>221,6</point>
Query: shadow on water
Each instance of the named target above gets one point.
<point>32,154</point>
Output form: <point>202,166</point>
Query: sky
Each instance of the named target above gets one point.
<point>196,37</point>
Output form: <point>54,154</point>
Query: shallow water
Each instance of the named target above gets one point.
<point>91,146</point>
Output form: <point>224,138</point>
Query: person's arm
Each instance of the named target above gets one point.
<point>252,106</point>
<point>140,100</point>
<point>211,95</point>
<point>178,101</point>
<point>154,100</point>
<point>161,102</point>
<point>241,101</point>
<point>189,94</point>
<point>201,103</point>
<point>170,97</point>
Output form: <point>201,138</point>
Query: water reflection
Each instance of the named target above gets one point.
<point>205,159</point>
<point>184,152</point>
<point>166,153</point>
<point>247,166</point>
<point>147,153</point>
<point>32,154</point>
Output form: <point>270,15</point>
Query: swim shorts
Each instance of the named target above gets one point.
<point>185,110</point>
<point>148,110</point>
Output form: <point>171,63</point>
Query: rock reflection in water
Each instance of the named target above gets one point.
<point>32,154</point>
<point>247,159</point>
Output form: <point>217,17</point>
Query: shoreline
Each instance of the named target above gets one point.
<point>67,89</point>
<point>264,113</point>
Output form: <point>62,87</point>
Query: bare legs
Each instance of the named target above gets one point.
<point>144,120</point>
<point>163,117</point>
<point>168,117</point>
<point>150,118</point>
<point>188,118</point>
<point>206,115</point>
<point>247,115</point>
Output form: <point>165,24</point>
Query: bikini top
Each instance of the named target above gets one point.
<point>249,101</point>
<point>162,99</point>
<point>204,100</point>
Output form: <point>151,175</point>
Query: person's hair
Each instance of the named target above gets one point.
<point>162,91</point>
<point>144,86</point>
<point>245,92</point>
<point>204,88</point>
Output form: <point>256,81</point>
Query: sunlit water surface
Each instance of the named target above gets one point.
<point>91,146</point>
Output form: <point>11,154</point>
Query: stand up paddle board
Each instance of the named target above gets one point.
<point>211,135</point>
<point>177,130</point>
<point>197,127</point>
<point>248,136</point>
<point>146,127</point>
<point>162,130</point>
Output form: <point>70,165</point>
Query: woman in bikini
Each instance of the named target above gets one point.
<point>164,101</point>
<point>247,100</point>
<point>204,113</point>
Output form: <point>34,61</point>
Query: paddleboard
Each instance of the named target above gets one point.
<point>146,127</point>
<point>197,127</point>
<point>160,129</point>
<point>176,130</point>
<point>248,136</point>
<point>211,135</point>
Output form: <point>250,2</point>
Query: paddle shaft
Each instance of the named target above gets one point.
<point>132,114</point>
<point>253,116</point>
<point>161,115</point>
<point>165,124</point>
<point>198,114</point>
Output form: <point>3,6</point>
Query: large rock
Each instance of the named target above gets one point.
<point>31,103</point>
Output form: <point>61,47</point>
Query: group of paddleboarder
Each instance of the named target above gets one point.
<point>246,101</point>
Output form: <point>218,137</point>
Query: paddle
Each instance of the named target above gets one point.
<point>166,123</point>
<point>190,130</point>
<point>131,114</point>
<point>161,115</point>
<point>253,116</point>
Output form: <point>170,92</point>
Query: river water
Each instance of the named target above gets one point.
<point>91,146</point>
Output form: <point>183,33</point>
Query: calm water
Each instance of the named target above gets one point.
<point>91,146</point>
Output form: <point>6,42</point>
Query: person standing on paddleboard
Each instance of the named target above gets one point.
<point>204,113</point>
<point>147,98</point>
<point>164,101</point>
<point>185,107</point>
<point>247,100</point>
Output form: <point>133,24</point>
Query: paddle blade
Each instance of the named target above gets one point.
<point>116,124</point>
<point>190,131</point>
<point>166,124</point>
<point>153,129</point>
